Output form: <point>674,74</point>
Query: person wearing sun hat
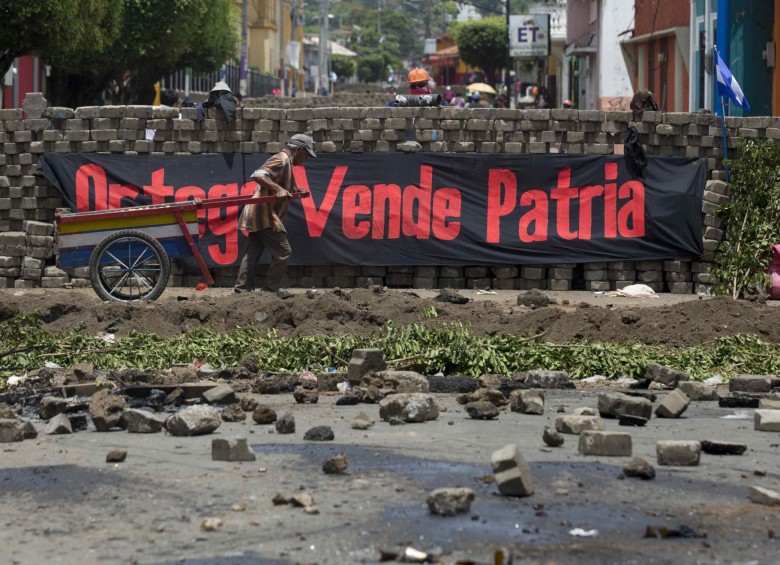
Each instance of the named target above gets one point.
<point>265,222</point>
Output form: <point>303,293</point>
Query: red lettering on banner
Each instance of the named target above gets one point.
<point>610,200</point>
<point>421,198</point>
<point>357,200</point>
<point>563,195</point>
<point>446,204</point>
<point>587,194</point>
<point>158,190</point>
<point>91,178</point>
<point>116,192</point>
<point>536,216</point>
<point>192,192</point>
<point>317,218</point>
<point>219,227</point>
<point>633,211</point>
<point>387,201</point>
<point>500,202</point>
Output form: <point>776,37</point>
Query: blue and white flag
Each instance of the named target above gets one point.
<point>728,85</point>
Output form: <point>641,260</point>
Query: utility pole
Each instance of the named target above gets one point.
<point>508,57</point>
<point>294,37</point>
<point>242,73</point>
<point>324,44</point>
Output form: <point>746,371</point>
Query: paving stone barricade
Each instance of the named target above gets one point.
<point>28,200</point>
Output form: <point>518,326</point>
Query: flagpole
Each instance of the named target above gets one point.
<point>725,139</point>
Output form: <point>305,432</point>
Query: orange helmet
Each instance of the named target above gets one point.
<point>417,75</point>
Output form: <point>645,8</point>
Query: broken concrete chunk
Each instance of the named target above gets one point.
<point>605,444</point>
<point>527,402</point>
<point>616,404</point>
<point>51,406</point>
<point>335,465</point>
<point>638,467</point>
<point>769,404</point>
<point>723,447</point>
<point>106,410</point>
<point>578,424</point>
<point>363,362</point>
<point>222,394</point>
<point>223,449</point>
<point>194,421</point>
<point>60,424</point>
<point>143,422</point>
<point>306,396</point>
<point>116,456</point>
<point>665,375</point>
<point>248,404</point>
<point>399,381</point>
<point>319,433</point>
<point>752,383</point>
<point>585,411</point>
<point>450,501</point>
<point>484,394</point>
<point>233,413</point>
<point>286,424</point>
<point>264,415</point>
<point>533,298</point>
<point>29,430</point>
<point>490,381</point>
<point>761,495</point>
<point>766,420</point>
<point>512,475</point>
<point>409,407</point>
<point>698,391</point>
<point>538,378</point>
<point>482,410</point>
<point>362,422</point>
<point>679,453</point>
<point>552,438</point>
<point>674,405</point>
<point>12,430</point>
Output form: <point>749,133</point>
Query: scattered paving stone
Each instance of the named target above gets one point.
<point>6,412</point>
<point>577,424</point>
<point>363,362</point>
<point>490,381</point>
<point>722,447</point>
<point>349,399</point>
<point>409,407</point>
<point>761,495</point>
<point>482,410</point>
<point>286,424</point>
<point>674,405</point>
<point>51,406</point>
<point>585,411</point>
<point>60,424</point>
<point>362,422</point>
<point>739,401</point>
<point>547,379</point>
<point>194,421</point>
<point>11,430</point>
<point>210,524</point>
<point>450,501</point>
<point>511,472</point>
<point>493,396</point>
<point>752,383</point>
<point>78,422</point>
<point>697,391</point>
<point>769,404</point>
<point>264,415</point>
<point>605,444</point>
<point>665,375</point>
<point>223,449</point>
<point>29,430</point>
<point>638,467</point>
<point>533,298</point>
<point>143,422</point>
<point>233,413</point>
<point>116,456</point>
<point>451,296</point>
<point>335,465</point>
<point>106,410</point>
<point>319,433</point>
<point>527,402</point>
<point>222,394</point>
<point>679,453</point>
<point>552,438</point>
<point>399,381</point>
<point>766,420</point>
<point>616,404</point>
<point>306,396</point>
<point>635,421</point>
<point>248,404</point>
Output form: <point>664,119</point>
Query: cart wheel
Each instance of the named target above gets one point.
<point>129,265</point>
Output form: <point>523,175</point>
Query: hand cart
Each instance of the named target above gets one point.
<point>128,250</point>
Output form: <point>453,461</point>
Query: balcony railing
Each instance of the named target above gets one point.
<point>258,84</point>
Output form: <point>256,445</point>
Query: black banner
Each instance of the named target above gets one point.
<point>422,209</point>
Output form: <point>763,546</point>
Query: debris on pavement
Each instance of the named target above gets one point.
<point>640,468</point>
<point>116,456</point>
<point>319,433</point>
<point>580,533</point>
<point>511,472</point>
<point>335,465</point>
<point>450,501</point>
<point>223,449</point>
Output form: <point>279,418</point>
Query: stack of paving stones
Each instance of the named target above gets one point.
<point>346,123</point>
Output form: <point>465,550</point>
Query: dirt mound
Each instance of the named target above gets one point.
<point>365,312</point>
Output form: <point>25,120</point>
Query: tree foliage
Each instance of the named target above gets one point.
<point>482,43</point>
<point>751,218</point>
<point>371,68</point>
<point>343,66</point>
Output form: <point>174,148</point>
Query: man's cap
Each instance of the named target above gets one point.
<point>301,140</point>
<point>221,85</point>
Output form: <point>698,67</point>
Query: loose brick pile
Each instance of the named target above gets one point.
<point>28,201</point>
